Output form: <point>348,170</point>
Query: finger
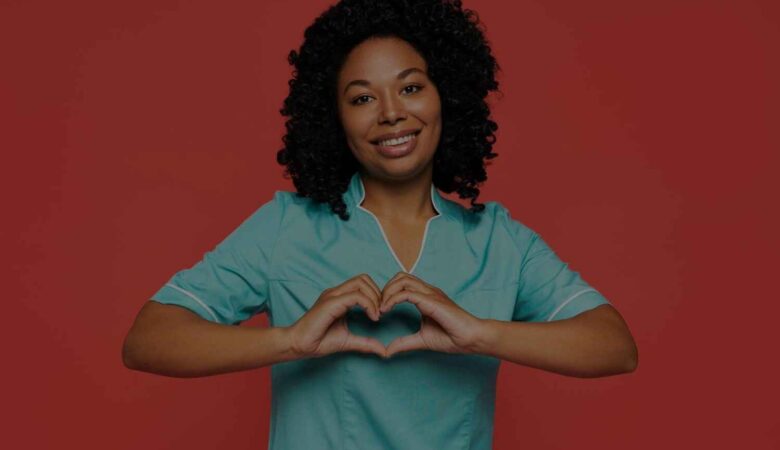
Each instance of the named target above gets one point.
<point>406,343</point>
<point>372,290</point>
<point>356,298</point>
<point>372,284</point>
<point>396,276</point>
<point>359,283</point>
<point>403,283</point>
<point>413,278</point>
<point>388,287</point>
<point>365,344</point>
<point>416,298</point>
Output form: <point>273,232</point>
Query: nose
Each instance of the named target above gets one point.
<point>392,110</point>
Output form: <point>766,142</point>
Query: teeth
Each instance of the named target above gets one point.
<point>397,141</point>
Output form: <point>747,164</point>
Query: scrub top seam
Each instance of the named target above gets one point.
<point>276,241</point>
<point>470,423</point>
<point>481,289</point>
<point>524,258</point>
<point>563,267</point>
<point>344,398</point>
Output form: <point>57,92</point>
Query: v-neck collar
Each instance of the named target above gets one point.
<point>355,195</point>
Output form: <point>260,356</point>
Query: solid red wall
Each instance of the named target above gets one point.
<point>639,138</point>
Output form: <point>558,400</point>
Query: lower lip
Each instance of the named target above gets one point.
<point>397,151</point>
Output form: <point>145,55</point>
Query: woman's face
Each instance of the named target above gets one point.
<point>383,88</point>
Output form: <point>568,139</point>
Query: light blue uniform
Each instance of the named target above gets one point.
<point>281,258</point>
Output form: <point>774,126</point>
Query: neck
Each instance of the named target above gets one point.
<point>405,201</point>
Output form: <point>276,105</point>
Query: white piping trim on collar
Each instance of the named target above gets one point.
<point>387,241</point>
<point>559,308</point>
<point>192,296</point>
<point>362,194</point>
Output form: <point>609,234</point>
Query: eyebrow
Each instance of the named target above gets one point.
<point>401,75</point>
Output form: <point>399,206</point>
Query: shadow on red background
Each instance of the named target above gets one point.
<point>640,139</point>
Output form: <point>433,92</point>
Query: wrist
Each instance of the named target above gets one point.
<point>484,336</point>
<point>287,342</point>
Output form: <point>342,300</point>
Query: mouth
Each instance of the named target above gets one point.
<point>396,141</point>
<point>397,147</point>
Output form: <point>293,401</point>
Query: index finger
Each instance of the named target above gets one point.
<point>371,283</point>
<point>401,282</point>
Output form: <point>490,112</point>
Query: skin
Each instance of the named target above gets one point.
<point>396,188</point>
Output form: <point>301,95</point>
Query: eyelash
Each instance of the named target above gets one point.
<point>356,103</point>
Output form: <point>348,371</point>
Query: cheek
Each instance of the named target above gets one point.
<point>429,110</point>
<point>354,129</point>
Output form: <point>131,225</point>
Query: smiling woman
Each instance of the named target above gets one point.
<point>391,307</point>
<point>371,71</point>
<point>394,129</point>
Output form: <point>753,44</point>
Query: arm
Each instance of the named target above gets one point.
<point>174,341</point>
<point>591,344</point>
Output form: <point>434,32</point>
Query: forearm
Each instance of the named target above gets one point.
<point>193,347</point>
<point>586,346</point>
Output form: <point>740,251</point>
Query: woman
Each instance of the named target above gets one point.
<point>390,306</point>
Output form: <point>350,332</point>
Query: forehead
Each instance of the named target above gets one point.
<point>380,58</point>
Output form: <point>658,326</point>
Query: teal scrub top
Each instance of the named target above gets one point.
<point>281,258</point>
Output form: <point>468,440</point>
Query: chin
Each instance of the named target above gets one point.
<point>402,168</point>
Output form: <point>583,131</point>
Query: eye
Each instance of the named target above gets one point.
<point>356,101</point>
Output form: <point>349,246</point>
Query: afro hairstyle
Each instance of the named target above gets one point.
<point>460,64</point>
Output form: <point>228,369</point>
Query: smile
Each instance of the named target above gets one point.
<point>397,141</point>
<point>397,147</point>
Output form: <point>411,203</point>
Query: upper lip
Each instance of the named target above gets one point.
<point>397,134</point>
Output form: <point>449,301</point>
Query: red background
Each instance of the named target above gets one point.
<point>639,138</point>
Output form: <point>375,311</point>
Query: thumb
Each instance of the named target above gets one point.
<point>406,343</point>
<point>364,345</point>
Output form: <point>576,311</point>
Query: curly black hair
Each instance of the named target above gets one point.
<point>460,64</point>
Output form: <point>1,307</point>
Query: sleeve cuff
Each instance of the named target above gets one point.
<point>170,294</point>
<point>578,302</point>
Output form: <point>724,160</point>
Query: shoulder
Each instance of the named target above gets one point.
<point>300,214</point>
<point>501,240</point>
<point>296,205</point>
<point>270,210</point>
<point>264,221</point>
<point>283,203</point>
<point>273,219</point>
<point>505,224</point>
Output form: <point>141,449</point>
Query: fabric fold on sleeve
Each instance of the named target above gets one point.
<point>549,289</point>
<point>230,283</point>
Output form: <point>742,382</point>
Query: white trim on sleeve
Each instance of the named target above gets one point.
<point>192,296</point>
<point>559,308</point>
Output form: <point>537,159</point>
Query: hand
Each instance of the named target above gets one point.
<point>322,330</point>
<point>446,327</point>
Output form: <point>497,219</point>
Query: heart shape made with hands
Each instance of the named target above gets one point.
<point>403,319</point>
<point>407,301</point>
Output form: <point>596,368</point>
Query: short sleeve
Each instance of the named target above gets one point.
<point>548,289</point>
<point>230,283</point>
